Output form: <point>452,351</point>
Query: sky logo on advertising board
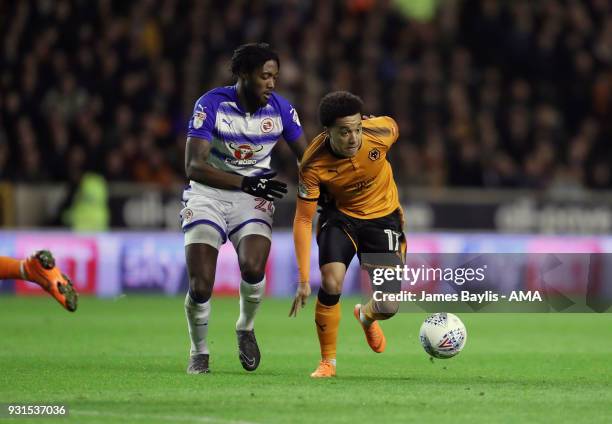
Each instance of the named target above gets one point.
<point>153,264</point>
<point>77,257</point>
<point>157,265</point>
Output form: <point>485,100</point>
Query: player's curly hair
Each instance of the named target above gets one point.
<point>338,104</point>
<point>248,57</point>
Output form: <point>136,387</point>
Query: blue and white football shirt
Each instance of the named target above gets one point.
<point>242,142</point>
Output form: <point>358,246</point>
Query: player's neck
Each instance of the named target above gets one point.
<point>246,103</point>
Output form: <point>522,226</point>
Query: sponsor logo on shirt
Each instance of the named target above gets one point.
<point>243,154</point>
<point>361,186</point>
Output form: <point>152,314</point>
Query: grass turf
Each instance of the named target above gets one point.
<point>124,360</point>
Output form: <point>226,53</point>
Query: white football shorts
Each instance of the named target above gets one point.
<point>211,215</point>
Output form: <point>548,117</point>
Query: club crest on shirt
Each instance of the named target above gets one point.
<point>267,125</point>
<point>374,154</point>
<point>198,119</point>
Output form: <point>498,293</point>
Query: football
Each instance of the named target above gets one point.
<point>443,335</point>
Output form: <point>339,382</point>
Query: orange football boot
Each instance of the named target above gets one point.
<point>374,334</point>
<point>325,369</point>
<point>40,268</point>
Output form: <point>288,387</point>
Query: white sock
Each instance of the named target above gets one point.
<point>250,297</point>
<point>197,320</point>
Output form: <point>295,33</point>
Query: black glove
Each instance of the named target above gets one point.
<point>264,186</point>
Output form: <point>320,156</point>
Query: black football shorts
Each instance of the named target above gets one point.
<point>340,237</point>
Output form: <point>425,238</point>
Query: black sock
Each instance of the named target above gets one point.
<point>326,298</point>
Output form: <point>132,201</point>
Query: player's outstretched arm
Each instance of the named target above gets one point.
<point>302,238</point>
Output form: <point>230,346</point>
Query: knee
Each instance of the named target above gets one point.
<point>331,283</point>
<point>252,269</point>
<point>200,288</point>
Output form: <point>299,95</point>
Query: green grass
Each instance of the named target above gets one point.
<point>124,361</point>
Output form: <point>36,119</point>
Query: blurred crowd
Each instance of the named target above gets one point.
<point>488,93</point>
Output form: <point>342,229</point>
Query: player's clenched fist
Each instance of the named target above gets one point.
<point>264,186</point>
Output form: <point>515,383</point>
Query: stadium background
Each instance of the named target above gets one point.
<point>504,109</point>
<point>505,116</point>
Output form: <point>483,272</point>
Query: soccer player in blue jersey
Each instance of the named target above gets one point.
<point>230,196</point>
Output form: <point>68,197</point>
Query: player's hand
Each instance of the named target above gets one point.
<point>301,294</point>
<point>264,186</point>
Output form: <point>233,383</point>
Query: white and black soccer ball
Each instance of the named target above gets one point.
<point>443,335</point>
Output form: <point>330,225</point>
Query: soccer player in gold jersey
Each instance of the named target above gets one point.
<point>347,161</point>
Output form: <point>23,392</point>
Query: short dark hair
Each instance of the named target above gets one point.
<point>248,57</point>
<point>338,104</point>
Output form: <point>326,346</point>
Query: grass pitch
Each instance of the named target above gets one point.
<point>124,360</point>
